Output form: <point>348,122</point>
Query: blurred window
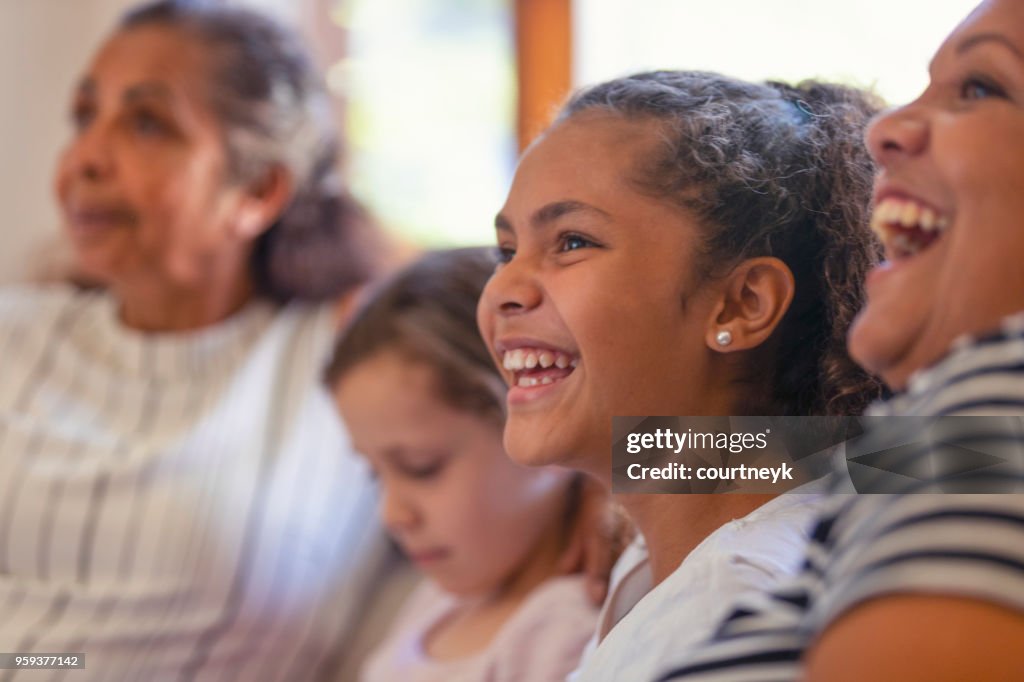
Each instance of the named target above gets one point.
<point>427,88</point>
<point>881,43</point>
<point>429,94</point>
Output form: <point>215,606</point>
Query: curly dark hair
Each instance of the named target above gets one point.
<point>274,110</point>
<point>769,170</point>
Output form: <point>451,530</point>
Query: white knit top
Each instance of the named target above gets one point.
<point>175,506</point>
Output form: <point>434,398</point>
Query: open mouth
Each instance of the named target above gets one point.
<point>532,367</point>
<point>907,227</point>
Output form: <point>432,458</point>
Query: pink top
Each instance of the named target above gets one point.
<point>541,642</point>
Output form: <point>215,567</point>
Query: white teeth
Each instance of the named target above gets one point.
<point>890,211</point>
<point>575,362</point>
<point>895,212</point>
<point>514,359</point>
<point>520,359</point>
<point>906,213</point>
<point>910,214</point>
<point>928,219</point>
<point>546,380</point>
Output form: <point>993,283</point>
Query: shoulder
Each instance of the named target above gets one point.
<point>545,638</point>
<point>766,544</point>
<point>953,638</point>
<point>969,546</point>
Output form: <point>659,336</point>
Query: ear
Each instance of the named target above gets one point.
<point>263,201</point>
<point>750,305</point>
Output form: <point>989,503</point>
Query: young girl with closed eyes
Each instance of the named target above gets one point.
<point>422,401</point>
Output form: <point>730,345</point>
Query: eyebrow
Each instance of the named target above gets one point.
<point>549,213</point>
<point>975,40</point>
<point>149,90</point>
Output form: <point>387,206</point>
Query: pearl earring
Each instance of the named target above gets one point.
<point>723,338</point>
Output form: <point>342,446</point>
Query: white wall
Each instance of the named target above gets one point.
<point>44,45</point>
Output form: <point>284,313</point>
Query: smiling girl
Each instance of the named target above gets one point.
<point>415,385</point>
<point>682,243</point>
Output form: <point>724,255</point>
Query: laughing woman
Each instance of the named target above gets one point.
<point>924,588</point>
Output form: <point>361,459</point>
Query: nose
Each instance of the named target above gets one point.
<point>896,134</point>
<point>90,154</point>
<point>512,289</point>
<point>396,512</point>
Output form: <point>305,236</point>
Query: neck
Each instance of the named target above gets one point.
<point>673,525</point>
<point>158,305</point>
<point>541,563</point>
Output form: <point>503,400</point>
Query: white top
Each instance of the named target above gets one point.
<point>175,506</point>
<point>540,642</point>
<point>643,631</point>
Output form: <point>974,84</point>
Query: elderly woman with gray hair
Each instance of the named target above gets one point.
<point>175,494</point>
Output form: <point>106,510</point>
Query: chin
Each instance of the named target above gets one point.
<point>526,447</point>
<point>523,449</point>
<point>91,272</point>
<point>878,348</point>
<point>463,586</point>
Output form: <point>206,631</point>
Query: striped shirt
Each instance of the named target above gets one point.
<point>873,545</point>
<point>175,506</point>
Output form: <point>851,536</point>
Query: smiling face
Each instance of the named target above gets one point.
<point>143,184</point>
<point>468,516</point>
<point>949,200</point>
<point>598,284</point>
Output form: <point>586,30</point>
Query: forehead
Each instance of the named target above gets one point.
<point>393,389</point>
<point>592,152</point>
<point>1003,18</point>
<point>149,54</point>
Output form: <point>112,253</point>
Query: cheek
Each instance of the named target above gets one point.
<point>635,333</point>
<point>485,319</point>
<point>190,209</point>
<point>62,174</point>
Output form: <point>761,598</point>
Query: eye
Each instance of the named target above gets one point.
<point>976,87</point>
<point>424,471</point>
<point>82,115</point>
<point>571,241</point>
<point>148,124</point>
<point>504,253</point>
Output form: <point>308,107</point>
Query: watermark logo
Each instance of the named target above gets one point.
<point>700,455</point>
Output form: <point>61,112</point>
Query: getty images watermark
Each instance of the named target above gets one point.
<point>783,454</point>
